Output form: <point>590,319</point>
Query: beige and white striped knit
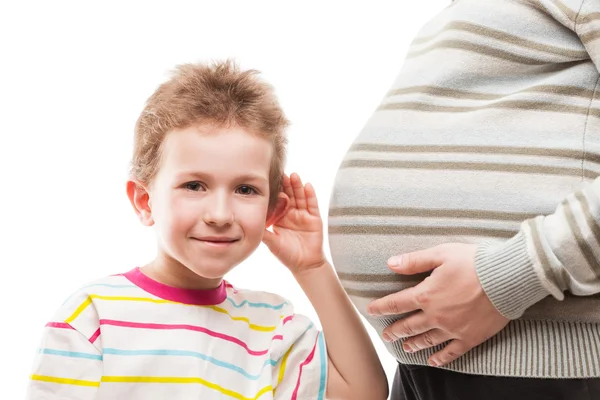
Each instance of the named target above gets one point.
<point>489,135</point>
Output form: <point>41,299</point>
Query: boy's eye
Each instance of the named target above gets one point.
<point>246,190</point>
<point>194,186</point>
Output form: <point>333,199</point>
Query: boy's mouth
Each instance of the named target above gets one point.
<point>219,241</point>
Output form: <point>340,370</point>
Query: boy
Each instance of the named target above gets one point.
<point>207,173</point>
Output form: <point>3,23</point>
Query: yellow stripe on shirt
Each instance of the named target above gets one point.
<point>282,368</point>
<point>184,380</point>
<point>252,326</point>
<point>64,381</point>
<point>88,301</point>
<point>79,310</point>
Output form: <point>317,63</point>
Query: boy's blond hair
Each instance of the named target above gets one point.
<point>217,93</point>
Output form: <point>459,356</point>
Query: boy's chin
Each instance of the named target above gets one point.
<point>211,272</point>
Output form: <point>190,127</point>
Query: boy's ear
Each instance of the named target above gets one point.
<point>279,210</point>
<point>139,197</point>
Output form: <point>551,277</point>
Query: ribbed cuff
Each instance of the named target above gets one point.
<point>507,276</point>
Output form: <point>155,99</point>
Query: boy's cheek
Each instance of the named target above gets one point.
<point>254,230</point>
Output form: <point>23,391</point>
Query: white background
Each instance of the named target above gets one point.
<point>74,77</point>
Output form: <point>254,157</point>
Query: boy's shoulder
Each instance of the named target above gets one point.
<point>261,305</point>
<point>268,306</point>
<point>239,297</point>
<point>77,311</point>
<point>111,285</point>
<point>116,284</point>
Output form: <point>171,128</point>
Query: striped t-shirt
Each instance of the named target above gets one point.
<point>490,135</point>
<point>129,337</point>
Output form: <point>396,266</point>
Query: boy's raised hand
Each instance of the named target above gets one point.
<point>297,237</point>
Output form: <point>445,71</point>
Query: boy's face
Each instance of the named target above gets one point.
<point>210,197</point>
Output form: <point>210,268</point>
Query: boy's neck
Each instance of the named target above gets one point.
<point>172,273</point>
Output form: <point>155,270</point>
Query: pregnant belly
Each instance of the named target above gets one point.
<point>378,213</point>
<point>360,260</point>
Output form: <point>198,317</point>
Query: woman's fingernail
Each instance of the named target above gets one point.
<point>395,261</point>
<point>407,348</point>
<point>388,337</point>
<point>433,363</point>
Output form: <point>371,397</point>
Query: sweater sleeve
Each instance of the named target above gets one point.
<point>560,252</point>
<point>550,255</point>
<point>587,27</point>
<point>580,16</point>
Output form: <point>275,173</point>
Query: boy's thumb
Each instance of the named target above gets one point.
<point>271,240</point>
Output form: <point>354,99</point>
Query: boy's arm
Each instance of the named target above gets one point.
<point>347,341</point>
<point>354,370</point>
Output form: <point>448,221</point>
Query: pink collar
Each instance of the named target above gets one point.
<point>185,296</point>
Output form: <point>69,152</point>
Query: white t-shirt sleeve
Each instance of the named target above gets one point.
<point>301,370</point>
<point>68,365</point>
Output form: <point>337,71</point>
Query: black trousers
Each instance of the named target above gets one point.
<point>414,382</point>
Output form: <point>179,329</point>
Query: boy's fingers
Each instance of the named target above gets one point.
<point>271,241</point>
<point>311,199</point>
<point>287,189</point>
<point>298,191</point>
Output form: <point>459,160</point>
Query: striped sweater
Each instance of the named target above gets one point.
<point>489,135</point>
<point>129,337</point>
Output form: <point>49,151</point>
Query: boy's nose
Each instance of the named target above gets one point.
<point>219,213</point>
